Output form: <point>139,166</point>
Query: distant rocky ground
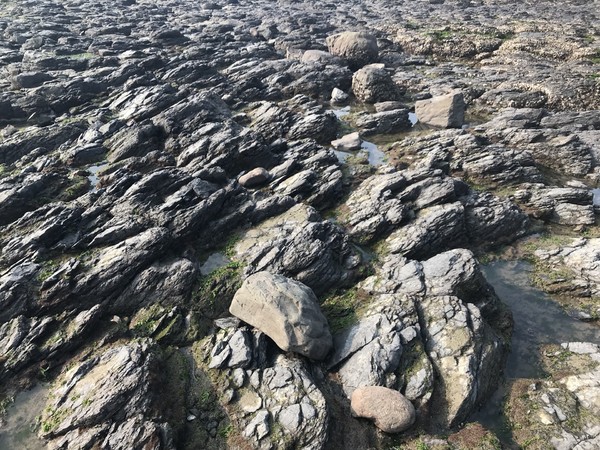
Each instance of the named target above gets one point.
<point>165,162</point>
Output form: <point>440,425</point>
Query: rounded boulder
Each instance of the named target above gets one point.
<point>285,310</point>
<point>373,84</point>
<point>357,48</point>
<point>388,409</point>
<point>254,178</point>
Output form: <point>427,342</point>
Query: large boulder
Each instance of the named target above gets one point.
<point>358,48</point>
<point>446,111</point>
<point>285,310</point>
<point>373,84</point>
<point>462,327</point>
<point>389,409</point>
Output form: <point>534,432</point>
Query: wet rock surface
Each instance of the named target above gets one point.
<point>158,156</point>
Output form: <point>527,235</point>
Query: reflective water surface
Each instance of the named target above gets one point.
<point>538,320</point>
<point>18,430</point>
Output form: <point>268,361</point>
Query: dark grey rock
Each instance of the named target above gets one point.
<point>383,122</point>
<point>120,379</point>
<point>373,84</point>
<point>298,243</point>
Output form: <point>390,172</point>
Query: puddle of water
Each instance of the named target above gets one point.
<point>214,262</point>
<point>342,156</point>
<point>341,112</point>
<point>413,118</point>
<point>376,156</point>
<point>537,321</point>
<point>18,429</point>
<point>94,178</point>
<point>596,199</point>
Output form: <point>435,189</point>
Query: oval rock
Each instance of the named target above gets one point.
<point>285,310</point>
<point>389,409</point>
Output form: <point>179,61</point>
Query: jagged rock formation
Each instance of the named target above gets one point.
<point>156,156</point>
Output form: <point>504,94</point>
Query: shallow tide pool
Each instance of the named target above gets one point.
<point>18,430</point>
<point>538,320</point>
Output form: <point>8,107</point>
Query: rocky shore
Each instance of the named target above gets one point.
<point>245,224</point>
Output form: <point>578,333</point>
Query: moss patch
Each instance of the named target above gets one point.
<point>79,186</point>
<point>214,293</point>
<point>51,419</point>
<point>561,362</point>
<point>474,436</point>
<point>531,423</point>
<point>342,308</point>
<point>5,402</point>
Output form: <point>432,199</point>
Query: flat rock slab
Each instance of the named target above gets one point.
<point>445,111</point>
<point>389,409</point>
<point>285,310</point>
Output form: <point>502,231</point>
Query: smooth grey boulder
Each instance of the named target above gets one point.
<point>358,48</point>
<point>254,178</point>
<point>347,142</point>
<point>319,56</point>
<point>388,408</point>
<point>373,84</point>
<point>285,310</point>
<point>446,111</point>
